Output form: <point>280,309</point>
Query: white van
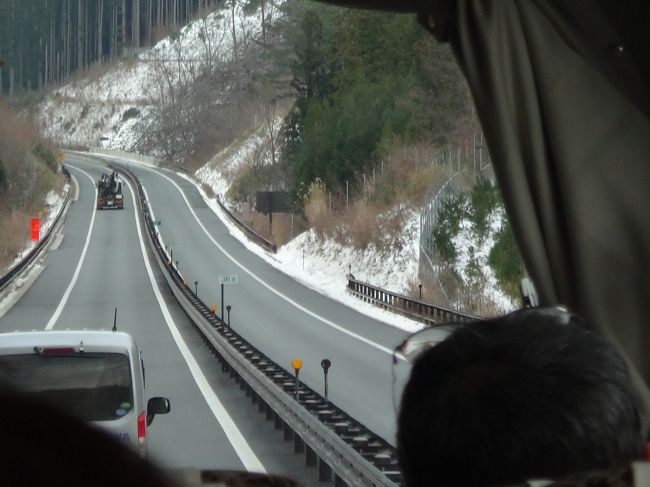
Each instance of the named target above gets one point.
<point>96,375</point>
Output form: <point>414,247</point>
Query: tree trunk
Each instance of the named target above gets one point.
<point>233,3</point>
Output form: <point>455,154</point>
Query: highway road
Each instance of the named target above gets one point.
<point>275,313</point>
<point>100,265</point>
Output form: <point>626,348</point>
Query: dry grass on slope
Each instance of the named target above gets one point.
<point>25,179</point>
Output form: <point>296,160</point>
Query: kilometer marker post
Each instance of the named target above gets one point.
<point>227,279</point>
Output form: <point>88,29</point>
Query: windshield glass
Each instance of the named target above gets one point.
<point>95,387</point>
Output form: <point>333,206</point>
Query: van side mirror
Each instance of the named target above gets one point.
<point>156,405</point>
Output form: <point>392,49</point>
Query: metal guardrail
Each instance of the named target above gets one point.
<point>330,439</point>
<point>252,234</point>
<point>174,167</point>
<point>418,310</point>
<point>36,251</point>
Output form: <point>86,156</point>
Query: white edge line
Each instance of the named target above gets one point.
<point>236,438</point>
<point>273,290</point>
<point>75,276</point>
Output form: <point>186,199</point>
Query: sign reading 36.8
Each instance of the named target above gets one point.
<point>228,279</point>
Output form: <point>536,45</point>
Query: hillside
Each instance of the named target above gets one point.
<point>141,103</point>
<point>365,220</point>
<point>30,185</point>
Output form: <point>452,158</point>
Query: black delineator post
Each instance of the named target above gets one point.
<point>325,364</point>
<point>222,303</point>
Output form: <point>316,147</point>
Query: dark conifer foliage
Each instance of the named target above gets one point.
<point>43,42</point>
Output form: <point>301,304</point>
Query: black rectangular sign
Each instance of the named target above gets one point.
<point>273,202</point>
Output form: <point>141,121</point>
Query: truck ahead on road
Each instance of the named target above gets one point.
<point>109,192</point>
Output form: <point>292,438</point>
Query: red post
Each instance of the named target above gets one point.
<point>35,229</point>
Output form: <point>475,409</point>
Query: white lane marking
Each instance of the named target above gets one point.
<point>237,440</point>
<point>76,187</point>
<point>268,286</point>
<point>66,294</point>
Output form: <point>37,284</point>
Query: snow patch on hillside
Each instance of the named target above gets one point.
<point>219,172</point>
<point>473,253</point>
<point>91,111</point>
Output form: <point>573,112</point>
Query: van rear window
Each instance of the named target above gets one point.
<point>93,386</point>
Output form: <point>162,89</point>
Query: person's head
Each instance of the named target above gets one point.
<point>46,446</point>
<point>513,398</point>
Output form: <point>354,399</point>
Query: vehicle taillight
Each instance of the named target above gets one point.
<point>58,351</point>
<point>142,433</point>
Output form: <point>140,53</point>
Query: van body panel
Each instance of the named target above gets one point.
<point>97,375</point>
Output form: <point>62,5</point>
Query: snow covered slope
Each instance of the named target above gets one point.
<point>111,109</point>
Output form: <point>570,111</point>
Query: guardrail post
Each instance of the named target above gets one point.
<point>310,457</point>
<point>298,444</point>
<point>324,471</point>
<point>277,421</point>
<point>339,482</point>
<point>288,432</point>
<point>269,412</point>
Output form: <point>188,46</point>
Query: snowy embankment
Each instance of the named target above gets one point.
<point>473,252</point>
<point>322,264</point>
<point>53,205</point>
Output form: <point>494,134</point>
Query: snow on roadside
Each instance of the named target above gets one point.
<point>319,263</point>
<point>54,204</point>
<point>326,264</point>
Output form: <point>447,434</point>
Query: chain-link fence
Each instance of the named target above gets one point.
<point>469,163</point>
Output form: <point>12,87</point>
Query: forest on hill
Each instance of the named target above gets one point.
<point>43,42</point>
<point>366,89</point>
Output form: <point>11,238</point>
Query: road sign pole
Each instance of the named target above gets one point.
<point>222,303</point>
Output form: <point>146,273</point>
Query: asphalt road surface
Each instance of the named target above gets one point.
<point>100,265</point>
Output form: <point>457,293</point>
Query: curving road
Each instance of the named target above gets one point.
<point>278,315</point>
<point>100,265</point>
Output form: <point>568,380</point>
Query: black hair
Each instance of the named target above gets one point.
<point>513,398</point>
<point>43,445</point>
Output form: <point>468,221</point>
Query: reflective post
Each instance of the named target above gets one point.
<point>196,288</point>
<point>228,308</point>
<point>326,364</point>
<point>296,363</point>
<point>420,286</point>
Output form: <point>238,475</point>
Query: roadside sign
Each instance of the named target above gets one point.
<point>227,279</point>
<point>61,155</point>
<point>35,229</point>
